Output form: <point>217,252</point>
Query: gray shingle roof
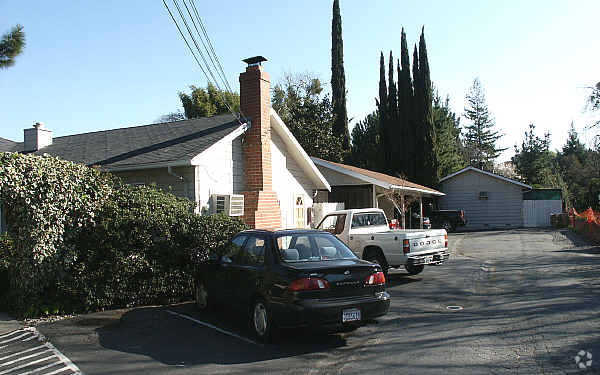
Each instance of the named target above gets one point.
<point>6,145</point>
<point>147,144</point>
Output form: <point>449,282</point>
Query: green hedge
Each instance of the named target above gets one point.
<point>117,246</point>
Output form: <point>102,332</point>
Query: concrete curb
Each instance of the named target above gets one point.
<point>8,323</point>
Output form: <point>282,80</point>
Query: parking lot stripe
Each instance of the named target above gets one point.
<point>44,368</point>
<point>22,352</point>
<point>26,364</point>
<point>215,328</point>
<point>12,333</point>
<point>23,358</point>
<point>15,338</point>
<point>59,371</point>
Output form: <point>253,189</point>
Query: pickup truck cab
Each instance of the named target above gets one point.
<point>367,233</point>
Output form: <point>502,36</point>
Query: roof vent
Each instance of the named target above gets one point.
<point>254,61</point>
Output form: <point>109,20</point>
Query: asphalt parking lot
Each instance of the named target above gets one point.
<point>507,302</point>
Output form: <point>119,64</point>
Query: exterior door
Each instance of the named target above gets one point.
<point>299,211</point>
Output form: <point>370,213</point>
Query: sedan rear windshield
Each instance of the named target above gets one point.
<point>311,247</point>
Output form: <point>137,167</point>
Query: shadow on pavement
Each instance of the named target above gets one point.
<point>173,340</point>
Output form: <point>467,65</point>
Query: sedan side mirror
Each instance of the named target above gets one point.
<point>225,259</point>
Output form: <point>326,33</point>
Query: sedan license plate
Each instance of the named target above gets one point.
<point>428,259</point>
<point>350,315</point>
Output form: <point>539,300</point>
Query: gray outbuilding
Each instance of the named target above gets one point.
<point>490,201</point>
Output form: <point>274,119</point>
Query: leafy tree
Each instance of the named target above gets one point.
<point>298,100</point>
<point>11,46</point>
<point>533,160</point>
<point>338,79</point>
<point>171,117</point>
<point>210,102</point>
<point>594,101</point>
<point>448,147</point>
<point>480,138</point>
<point>366,150</point>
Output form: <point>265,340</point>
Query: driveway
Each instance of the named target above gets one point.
<point>507,302</point>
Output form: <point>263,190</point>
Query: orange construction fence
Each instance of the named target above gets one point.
<point>586,223</point>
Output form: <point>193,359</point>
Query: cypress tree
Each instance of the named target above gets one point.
<point>414,128</point>
<point>383,117</point>
<point>428,172</point>
<point>394,128</point>
<point>338,79</point>
<point>405,106</point>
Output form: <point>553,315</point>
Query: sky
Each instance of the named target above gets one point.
<point>97,65</point>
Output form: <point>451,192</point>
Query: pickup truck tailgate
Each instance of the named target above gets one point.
<point>428,241</point>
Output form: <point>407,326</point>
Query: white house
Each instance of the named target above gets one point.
<point>253,167</point>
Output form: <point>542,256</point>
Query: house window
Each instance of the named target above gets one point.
<point>483,195</point>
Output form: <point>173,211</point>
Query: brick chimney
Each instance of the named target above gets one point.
<point>36,138</point>
<point>261,206</point>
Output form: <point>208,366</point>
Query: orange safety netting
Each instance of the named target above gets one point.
<point>590,228</point>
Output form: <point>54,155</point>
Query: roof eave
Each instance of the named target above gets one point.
<point>307,161</point>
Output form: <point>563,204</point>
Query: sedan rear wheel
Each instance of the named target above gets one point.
<point>261,320</point>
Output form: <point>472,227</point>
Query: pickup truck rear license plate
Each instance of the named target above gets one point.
<point>428,259</point>
<point>350,315</point>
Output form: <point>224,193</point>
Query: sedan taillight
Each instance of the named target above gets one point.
<point>406,246</point>
<point>378,278</point>
<point>446,240</point>
<point>309,283</point>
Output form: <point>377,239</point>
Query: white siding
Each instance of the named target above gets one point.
<point>288,180</point>
<point>502,209</point>
<point>218,171</point>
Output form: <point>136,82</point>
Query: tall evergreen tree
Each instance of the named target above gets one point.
<point>366,143</point>
<point>428,165</point>
<point>11,46</point>
<point>394,128</point>
<point>480,138</point>
<point>382,105</point>
<point>574,146</point>
<point>338,79</point>
<point>414,129</point>
<point>405,109</point>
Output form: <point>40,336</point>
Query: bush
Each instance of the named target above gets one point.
<point>118,246</point>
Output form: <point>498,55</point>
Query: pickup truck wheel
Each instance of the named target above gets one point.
<point>201,297</point>
<point>373,257</point>
<point>414,270</point>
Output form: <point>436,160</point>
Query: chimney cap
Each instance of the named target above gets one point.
<point>38,125</point>
<point>256,60</point>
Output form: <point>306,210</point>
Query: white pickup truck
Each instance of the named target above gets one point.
<point>367,233</point>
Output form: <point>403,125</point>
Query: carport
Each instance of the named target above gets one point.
<point>362,188</point>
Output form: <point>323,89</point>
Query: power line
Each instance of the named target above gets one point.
<point>206,65</point>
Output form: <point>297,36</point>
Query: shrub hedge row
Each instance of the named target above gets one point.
<point>78,239</point>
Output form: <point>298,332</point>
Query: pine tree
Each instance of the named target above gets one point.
<point>405,109</point>
<point>338,79</point>
<point>574,146</point>
<point>428,170</point>
<point>11,46</point>
<point>480,138</point>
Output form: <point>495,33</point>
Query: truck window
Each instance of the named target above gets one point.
<point>333,224</point>
<point>368,219</point>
